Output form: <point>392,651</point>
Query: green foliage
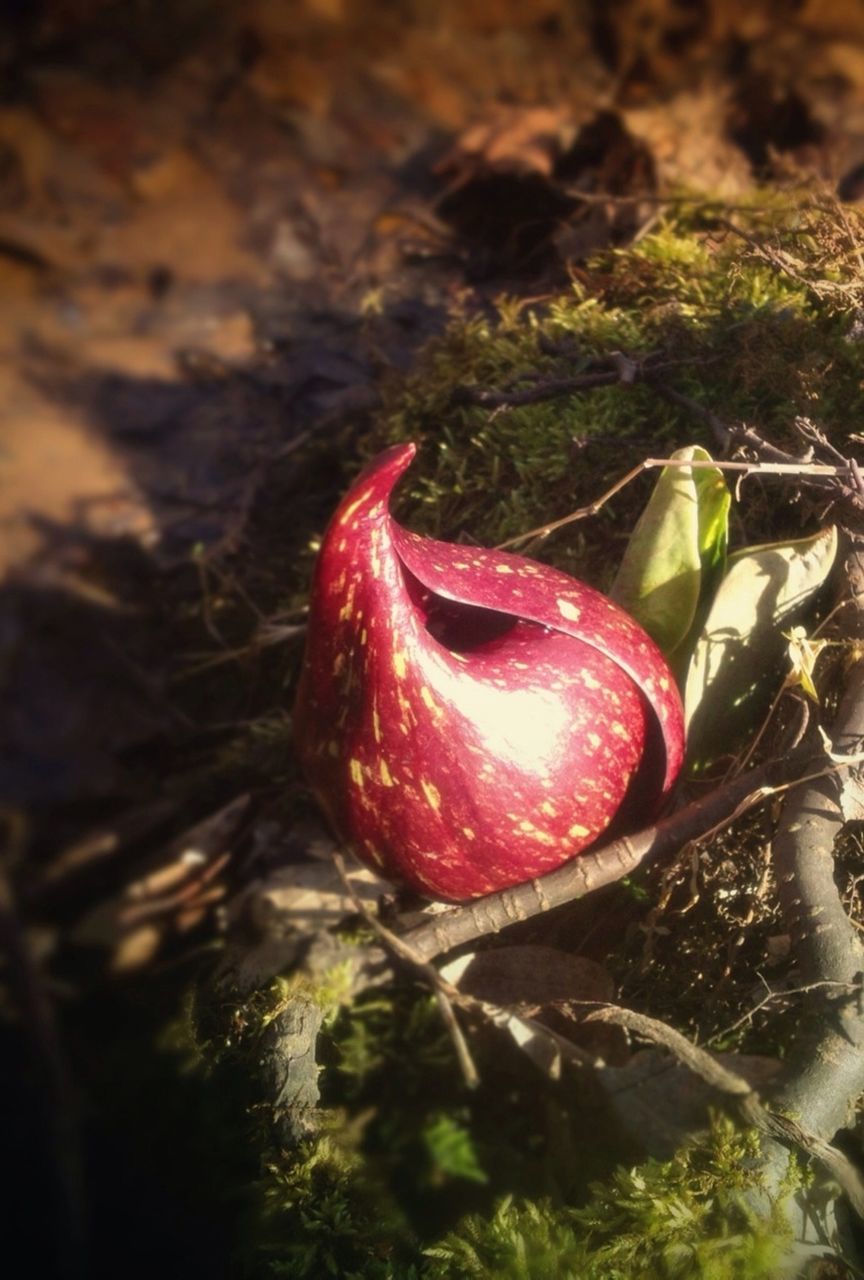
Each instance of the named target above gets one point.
<point>392,1031</point>
<point>403,1151</point>
<point>683,1219</point>
<point>391,1061</point>
<point>330,991</point>
<point>320,1213</point>
<point>413,1177</point>
<point>521,1241</point>
<point>720,626</point>
<point>749,341</point>
<point>451,1148</point>
<point>361,1199</point>
<point>676,553</point>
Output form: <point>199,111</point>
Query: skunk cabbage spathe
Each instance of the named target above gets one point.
<point>470,719</point>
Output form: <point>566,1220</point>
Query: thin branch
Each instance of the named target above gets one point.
<point>739,433</point>
<point>825,1073</point>
<point>547,389</point>
<point>783,996</point>
<point>770,1123</point>
<point>699,1061</point>
<point>721,432</point>
<point>619,370</point>
<point>592,871</point>
<point>445,993</point>
<point>466,1062</point>
<point>782,263</point>
<point>806,470</point>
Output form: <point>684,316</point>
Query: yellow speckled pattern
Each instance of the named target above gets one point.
<point>471,720</point>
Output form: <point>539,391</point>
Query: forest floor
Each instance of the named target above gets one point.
<point>227,234</point>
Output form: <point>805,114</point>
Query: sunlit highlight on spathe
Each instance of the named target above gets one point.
<point>471,719</point>
<point>525,728</point>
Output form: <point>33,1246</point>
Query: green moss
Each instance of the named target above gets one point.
<point>413,1177</point>
<point>753,342</point>
<point>330,991</point>
<point>683,1219</point>
<point>322,1213</point>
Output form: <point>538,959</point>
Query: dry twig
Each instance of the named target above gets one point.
<point>770,1123</point>
<point>811,471</point>
<point>592,871</point>
<point>445,993</point>
<point>616,369</point>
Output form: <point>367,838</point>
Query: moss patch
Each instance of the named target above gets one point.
<point>754,340</point>
<point>412,1176</point>
<point>676,1220</point>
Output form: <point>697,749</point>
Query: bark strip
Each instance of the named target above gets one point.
<point>825,1072</point>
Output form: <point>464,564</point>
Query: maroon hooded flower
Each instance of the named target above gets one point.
<point>470,719</point>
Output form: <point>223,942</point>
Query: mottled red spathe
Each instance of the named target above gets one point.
<point>470,719</point>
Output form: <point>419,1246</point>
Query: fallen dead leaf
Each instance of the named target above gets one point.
<point>178,886</point>
<point>547,985</point>
<point>137,949</point>
<point>660,1103</point>
<point>687,137</point>
<point>309,896</point>
<point>510,140</point>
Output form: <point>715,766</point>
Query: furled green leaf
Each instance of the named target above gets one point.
<point>740,649</point>
<point>676,552</point>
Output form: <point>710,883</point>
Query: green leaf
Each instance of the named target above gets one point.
<point>676,553</point>
<point>451,1149</point>
<point>740,650</point>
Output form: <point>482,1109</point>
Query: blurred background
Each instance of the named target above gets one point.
<point>224,228</point>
